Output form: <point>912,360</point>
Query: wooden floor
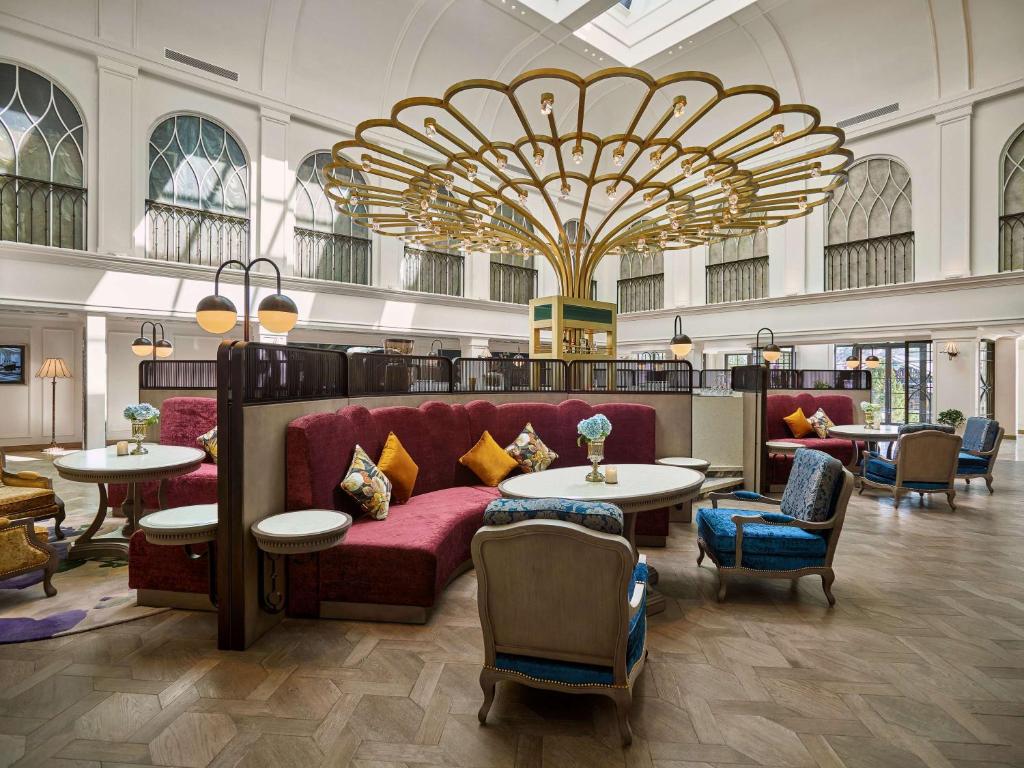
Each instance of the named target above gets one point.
<point>921,663</point>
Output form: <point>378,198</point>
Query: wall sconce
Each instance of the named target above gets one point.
<point>771,353</point>
<point>681,344</point>
<point>951,349</point>
<point>217,314</point>
<point>144,346</point>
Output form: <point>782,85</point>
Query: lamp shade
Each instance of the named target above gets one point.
<point>54,368</point>
<point>216,314</point>
<point>142,346</point>
<point>278,313</point>
<point>681,344</point>
<point>872,361</point>
<point>852,362</point>
<point>163,348</point>
<point>771,353</point>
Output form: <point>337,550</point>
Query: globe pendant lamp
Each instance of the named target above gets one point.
<point>681,344</point>
<point>872,362</point>
<point>217,314</point>
<point>853,362</point>
<point>770,353</point>
<point>144,346</point>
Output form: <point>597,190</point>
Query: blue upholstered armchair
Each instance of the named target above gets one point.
<point>799,540</point>
<point>982,438</point>
<point>908,429</point>
<point>562,600</point>
<point>925,462</point>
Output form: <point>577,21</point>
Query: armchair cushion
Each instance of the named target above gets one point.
<point>760,540</point>
<point>814,485</point>
<point>968,464</point>
<point>879,471</point>
<point>595,515</point>
<point>17,501</point>
<point>17,553</point>
<point>980,434</point>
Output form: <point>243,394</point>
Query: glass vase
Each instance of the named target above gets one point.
<point>139,430</point>
<point>595,454</point>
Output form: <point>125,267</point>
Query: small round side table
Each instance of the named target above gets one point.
<point>294,533</point>
<point>186,527</point>
<point>782,447</point>
<point>686,462</point>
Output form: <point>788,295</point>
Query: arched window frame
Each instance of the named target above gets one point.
<point>1011,204</point>
<point>207,229</point>
<point>513,275</point>
<point>36,206</point>
<point>438,268</point>
<point>880,250</point>
<point>641,285</point>
<point>328,244</point>
<point>737,268</point>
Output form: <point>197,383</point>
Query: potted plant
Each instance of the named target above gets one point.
<point>951,417</point>
<point>141,415</point>
<point>594,431</point>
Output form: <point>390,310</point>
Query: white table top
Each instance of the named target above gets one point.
<point>640,486</point>
<point>307,530</point>
<point>783,446</point>
<point>104,465</point>
<point>688,462</point>
<point>194,516</point>
<point>861,432</point>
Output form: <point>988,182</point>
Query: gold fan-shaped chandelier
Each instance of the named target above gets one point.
<point>659,173</point>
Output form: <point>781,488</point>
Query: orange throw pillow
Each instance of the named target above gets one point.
<point>488,460</point>
<point>798,423</point>
<point>396,463</point>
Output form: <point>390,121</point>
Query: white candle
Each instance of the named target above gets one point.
<point>611,475</point>
<point>122,448</point>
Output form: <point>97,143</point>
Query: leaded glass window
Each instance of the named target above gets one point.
<point>198,206</point>
<point>870,234</point>
<point>641,285</point>
<point>329,245</point>
<point>1011,222</point>
<point>737,268</point>
<point>513,276</point>
<point>42,162</point>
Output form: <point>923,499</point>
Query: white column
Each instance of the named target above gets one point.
<point>1006,383</point>
<point>475,346</point>
<point>478,276</point>
<point>275,223</point>
<point>954,193</point>
<point>114,175</point>
<point>95,381</point>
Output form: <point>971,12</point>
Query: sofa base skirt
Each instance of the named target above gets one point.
<point>165,598</point>
<point>391,614</point>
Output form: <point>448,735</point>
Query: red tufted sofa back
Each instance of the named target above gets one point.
<point>838,407</point>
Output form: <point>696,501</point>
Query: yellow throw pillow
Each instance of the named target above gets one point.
<point>488,460</point>
<point>365,483</point>
<point>798,424</point>
<point>401,470</point>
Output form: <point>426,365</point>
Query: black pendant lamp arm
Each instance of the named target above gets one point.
<point>757,340</point>
<point>678,327</point>
<point>246,268</point>
<point>154,325</point>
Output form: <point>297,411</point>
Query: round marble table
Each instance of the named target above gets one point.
<point>641,487</point>
<point>686,462</point>
<point>181,526</point>
<point>102,466</point>
<point>860,433</point>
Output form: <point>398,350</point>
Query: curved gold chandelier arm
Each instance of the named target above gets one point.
<point>662,173</point>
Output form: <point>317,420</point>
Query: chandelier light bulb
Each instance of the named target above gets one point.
<point>565,190</point>
<point>491,208</point>
<point>648,196</point>
<point>656,157</point>
<point>679,106</point>
<point>716,227</point>
<point>376,226</point>
<point>687,167</point>
<point>433,194</point>
<point>734,209</point>
<point>522,195</point>
<point>538,158</point>
<point>366,164</point>
<point>777,134</point>
<point>802,203</point>
<point>471,172</point>
<point>612,191</point>
<point>547,101</point>
<point>424,204</point>
<point>502,162</point>
<point>762,229</point>
<point>577,154</point>
<point>430,126</point>
<point>816,170</point>
<point>734,199</point>
<point>618,156</point>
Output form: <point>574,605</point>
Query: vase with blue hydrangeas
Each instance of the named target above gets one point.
<point>141,416</point>
<point>872,414</point>
<point>594,431</point>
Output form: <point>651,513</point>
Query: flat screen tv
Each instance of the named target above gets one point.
<point>12,364</point>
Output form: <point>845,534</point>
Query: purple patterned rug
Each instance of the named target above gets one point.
<point>22,630</point>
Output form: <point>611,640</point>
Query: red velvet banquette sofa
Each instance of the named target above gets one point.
<point>839,408</point>
<point>395,569</point>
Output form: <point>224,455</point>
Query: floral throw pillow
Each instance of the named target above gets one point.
<point>365,483</point>
<point>821,423</point>
<point>530,452</point>
<point>209,443</point>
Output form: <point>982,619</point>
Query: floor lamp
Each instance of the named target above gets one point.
<point>53,368</point>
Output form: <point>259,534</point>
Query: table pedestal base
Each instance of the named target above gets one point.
<point>92,544</point>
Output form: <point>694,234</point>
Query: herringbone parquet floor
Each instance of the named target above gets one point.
<point>921,663</point>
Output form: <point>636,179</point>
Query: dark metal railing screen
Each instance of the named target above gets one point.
<point>327,256</point>
<point>276,373</point>
<point>516,374</point>
<point>191,236</point>
<point>512,283</point>
<point>178,374</point>
<point>433,272</point>
<point>41,212</point>
<point>641,294</point>
<point>631,376</point>
<point>1011,242</point>
<point>737,280</point>
<point>398,374</point>
<point>875,261</point>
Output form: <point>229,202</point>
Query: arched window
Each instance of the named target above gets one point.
<point>42,162</point>
<point>737,268</point>
<point>197,211</point>
<point>328,244</point>
<point>870,234</point>
<point>438,267</point>
<point>513,276</point>
<point>1011,222</point>
<point>641,285</point>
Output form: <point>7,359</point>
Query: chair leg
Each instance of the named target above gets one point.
<point>721,586</point>
<point>988,482</point>
<point>826,585</point>
<point>623,701</point>
<point>967,480</point>
<point>48,570</point>
<point>488,681</point>
<point>700,556</point>
<point>950,495</point>
<point>58,519</point>
<point>896,500</point>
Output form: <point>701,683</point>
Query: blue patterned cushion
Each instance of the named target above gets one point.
<point>747,495</point>
<point>906,429</point>
<point>814,485</point>
<point>716,528</point>
<point>980,434</point>
<point>595,515</point>
<point>878,471</point>
<point>971,465</point>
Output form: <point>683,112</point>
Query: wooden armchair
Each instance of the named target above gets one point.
<point>23,548</point>
<point>925,462</point>
<point>799,540</point>
<point>28,494</point>
<point>562,600</point>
